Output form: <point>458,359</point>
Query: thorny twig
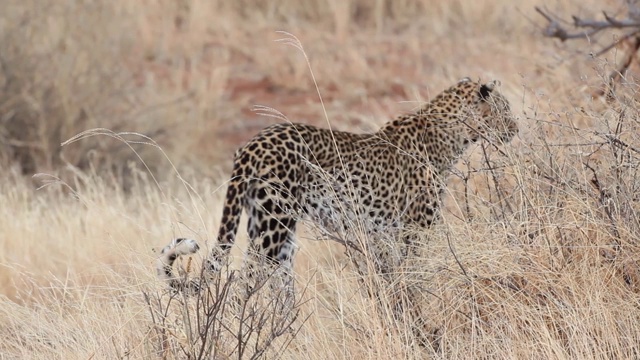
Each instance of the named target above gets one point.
<point>605,199</point>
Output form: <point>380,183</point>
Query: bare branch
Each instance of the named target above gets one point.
<point>609,22</point>
<point>555,29</point>
<point>617,42</point>
<point>585,28</point>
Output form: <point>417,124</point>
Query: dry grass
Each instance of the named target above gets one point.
<point>537,254</point>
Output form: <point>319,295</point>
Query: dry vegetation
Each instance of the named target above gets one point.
<point>537,255</point>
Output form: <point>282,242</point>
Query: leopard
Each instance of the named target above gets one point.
<point>391,178</point>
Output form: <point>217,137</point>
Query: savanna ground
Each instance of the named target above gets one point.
<point>537,254</point>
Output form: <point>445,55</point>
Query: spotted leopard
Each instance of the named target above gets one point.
<point>391,178</point>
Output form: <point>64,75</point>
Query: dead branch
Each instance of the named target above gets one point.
<point>586,28</point>
<point>555,29</point>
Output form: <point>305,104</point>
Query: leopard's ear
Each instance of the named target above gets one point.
<point>486,89</point>
<point>464,80</point>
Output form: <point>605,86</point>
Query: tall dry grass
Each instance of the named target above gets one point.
<point>536,256</point>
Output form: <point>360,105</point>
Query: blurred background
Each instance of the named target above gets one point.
<point>187,73</point>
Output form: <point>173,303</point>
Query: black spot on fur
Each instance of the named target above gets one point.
<point>266,242</point>
<point>268,206</point>
<point>264,227</point>
<point>277,238</point>
<point>273,224</point>
<point>262,193</point>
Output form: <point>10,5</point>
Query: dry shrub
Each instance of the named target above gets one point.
<point>225,319</point>
<point>544,265</point>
